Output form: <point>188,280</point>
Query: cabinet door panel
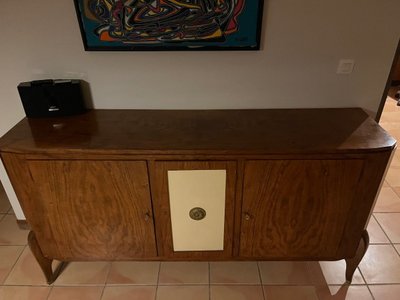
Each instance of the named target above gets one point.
<point>93,209</point>
<point>193,196</point>
<point>296,208</point>
<point>202,193</point>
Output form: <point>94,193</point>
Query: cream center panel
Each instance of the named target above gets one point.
<point>197,205</point>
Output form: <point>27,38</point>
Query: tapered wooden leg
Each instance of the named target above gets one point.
<point>44,263</point>
<point>352,263</point>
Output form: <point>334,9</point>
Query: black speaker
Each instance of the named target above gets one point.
<point>51,98</point>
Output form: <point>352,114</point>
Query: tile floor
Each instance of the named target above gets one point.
<point>378,276</point>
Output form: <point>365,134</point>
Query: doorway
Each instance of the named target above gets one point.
<point>391,94</point>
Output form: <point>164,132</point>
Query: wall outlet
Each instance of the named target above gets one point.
<point>345,66</point>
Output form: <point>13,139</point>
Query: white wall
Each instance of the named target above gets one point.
<point>302,44</point>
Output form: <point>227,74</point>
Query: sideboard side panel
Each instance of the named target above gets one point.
<point>366,194</point>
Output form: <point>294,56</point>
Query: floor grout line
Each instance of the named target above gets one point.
<point>261,282</point>
<point>363,277</point>
<point>105,282</point>
<point>158,280</point>
<point>51,289</point>
<point>2,216</point>
<point>209,281</point>
<point>384,232</point>
<point>391,243</point>
<point>370,292</point>
<point>14,264</point>
<point>102,292</point>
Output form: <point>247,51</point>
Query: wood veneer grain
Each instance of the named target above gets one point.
<point>366,193</point>
<point>297,208</point>
<point>301,183</point>
<point>93,209</point>
<point>276,131</point>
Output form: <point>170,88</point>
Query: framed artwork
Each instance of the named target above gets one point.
<point>170,24</point>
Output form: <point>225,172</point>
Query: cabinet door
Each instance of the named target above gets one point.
<point>180,188</point>
<point>297,208</point>
<point>93,209</point>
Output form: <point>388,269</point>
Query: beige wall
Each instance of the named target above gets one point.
<point>302,44</point>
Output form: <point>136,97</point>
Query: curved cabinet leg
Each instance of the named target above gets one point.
<point>44,263</point>
<point>352,263</point>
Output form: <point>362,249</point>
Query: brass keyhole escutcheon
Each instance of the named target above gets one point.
<point>197,213</point>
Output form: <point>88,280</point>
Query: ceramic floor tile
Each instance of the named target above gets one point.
<point>129,293</point>
<point>290,292</point>
<point>76,293</point>
<point>390,126</point>
<point>397,190</point>
<point>376,234</point>
<point>387,108</point>
<point>287,273</point>
<point>26,271</point>
<point>391,117</point>
<point>393,176</point>
<point>381,264</point>
<point>344,292</point>
<point>183,273</point>
<point>236,292</point>
<point>332,272</point>
<point>397,248</point>
<point>385,292</point>
<point>24,293</point>
<point>183,292</point>
<point>10,233</point>
<point>390,223</point>
<point>8,257</point>
<point>396,157</point>
<point>391,102</point>
<point>388,201</point>
<point>395,132</point>
<point>133,273</point>
<point>234,273</point>
<point>85,273</point>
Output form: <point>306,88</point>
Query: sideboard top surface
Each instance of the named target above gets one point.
<point>274,131</point>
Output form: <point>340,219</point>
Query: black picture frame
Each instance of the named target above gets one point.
<point>101,20</point>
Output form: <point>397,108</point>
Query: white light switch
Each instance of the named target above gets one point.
<point>345,66</point>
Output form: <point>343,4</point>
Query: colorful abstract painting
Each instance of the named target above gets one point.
<point>170,24</point>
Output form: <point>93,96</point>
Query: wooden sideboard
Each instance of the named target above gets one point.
<point>298,184</point>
